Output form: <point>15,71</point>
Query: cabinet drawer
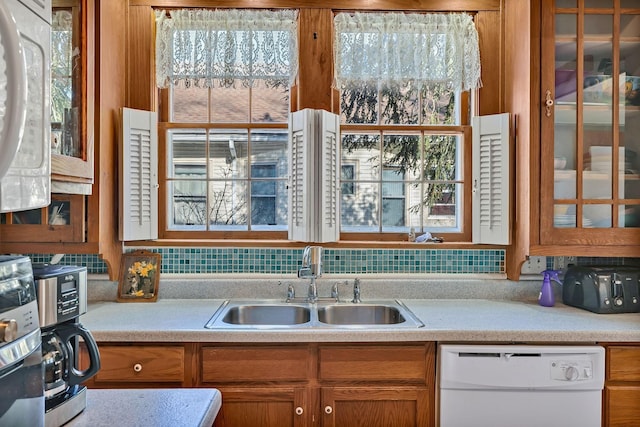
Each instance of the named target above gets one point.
<point>624,363</point>
<point>144,363</point>
<point>261,363</point>
<point>403,364</point>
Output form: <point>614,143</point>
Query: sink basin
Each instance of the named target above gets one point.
<point>278,314</point>
<point>267,315</point>
<point>360,314</point>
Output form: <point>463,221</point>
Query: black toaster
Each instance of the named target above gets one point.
<point>603,289</point>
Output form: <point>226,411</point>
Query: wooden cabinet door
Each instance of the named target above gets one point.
<point>375,407</point>
<point>263,407</point>
<point>622,405</point>
<point>590,181</point>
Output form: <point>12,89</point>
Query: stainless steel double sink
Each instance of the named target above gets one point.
<point>268,314</point>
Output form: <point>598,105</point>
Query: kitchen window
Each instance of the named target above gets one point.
<point>228,103</point>
<point>410,139</point>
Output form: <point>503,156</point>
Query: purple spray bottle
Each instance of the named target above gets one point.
<point>546,297</point>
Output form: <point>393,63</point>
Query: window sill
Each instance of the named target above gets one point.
<point>246,243</point>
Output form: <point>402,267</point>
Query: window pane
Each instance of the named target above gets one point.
<point>440,206</point>
<point>188,204</point>
<point>439,106</point>
<point>399,105</point>
<point>347,175</point>
<point>263,194</point>
<point>441,157</point>
<point>263,210</point>
<point>392,214</point>
<point>359,104</point>
<point>189,105</point>
<point>360,210</point>
<point>269,103</point>
<point>270,146</point>
<point>186,147</point>
<point>364,150</point>
<point>228,151</point>
<point>404,153</point>
<point>228,201</point>
<point>230,104</point>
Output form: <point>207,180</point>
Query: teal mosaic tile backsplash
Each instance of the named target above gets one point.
<point>287,261</point>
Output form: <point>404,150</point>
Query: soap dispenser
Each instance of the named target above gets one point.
<point>546,297</point>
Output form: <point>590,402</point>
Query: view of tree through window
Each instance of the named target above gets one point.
<point>425,162</point>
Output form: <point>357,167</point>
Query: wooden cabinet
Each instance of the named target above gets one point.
<point>571,69</point>
<point>143,365</point>
<point>330,384</point>
<point>622,386</point>
<point>72,95</point>
<point>105,69</point>
<point>590,182</point>
<point>62,221</point>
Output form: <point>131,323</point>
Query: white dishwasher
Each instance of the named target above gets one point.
<point>520,385</point>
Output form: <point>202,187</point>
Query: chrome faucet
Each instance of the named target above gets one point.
<point>356,291</point>
<point>312,269</point>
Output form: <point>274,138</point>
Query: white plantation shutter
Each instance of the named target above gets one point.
<point>491,180</point>
<point>139,180</point>
<point>314,176</point>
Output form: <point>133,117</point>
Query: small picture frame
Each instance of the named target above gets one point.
<point>139,277</point>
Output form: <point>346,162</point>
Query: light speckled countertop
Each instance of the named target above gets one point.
<point>446,320</point>
<point>149,407</point>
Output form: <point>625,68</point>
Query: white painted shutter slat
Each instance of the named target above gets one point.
<point>139,175</point>
<point>491,180</point>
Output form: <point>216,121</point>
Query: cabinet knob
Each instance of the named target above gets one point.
<point>299,410</point>
<point>328,409</point>
<point>548,103</point>
<point>137,367</point>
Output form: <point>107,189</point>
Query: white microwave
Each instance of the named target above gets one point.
<point>25,129</point>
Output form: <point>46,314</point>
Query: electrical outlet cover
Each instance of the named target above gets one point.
<point>534,265</point>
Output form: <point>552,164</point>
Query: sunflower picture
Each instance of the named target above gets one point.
<point>139,279</point>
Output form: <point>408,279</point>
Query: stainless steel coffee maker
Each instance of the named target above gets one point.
<point>62,299</point>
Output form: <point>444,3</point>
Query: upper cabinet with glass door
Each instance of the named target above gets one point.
<point>590,122</point>
<point>72,96</point>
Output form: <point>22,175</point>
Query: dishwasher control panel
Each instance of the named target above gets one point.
<point>571,370</point>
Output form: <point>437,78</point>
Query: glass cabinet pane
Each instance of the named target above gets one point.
<point>596,112</point>
<point>565,119</point>
<point>629,129</point>
<point>66,97</point>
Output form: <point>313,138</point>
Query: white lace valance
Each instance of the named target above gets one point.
<point>202,47</point>
<point>391,48</point>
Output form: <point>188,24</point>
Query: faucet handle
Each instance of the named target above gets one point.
<point>334,292</point>
<point>291,293</point>
<point>356,291</point>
